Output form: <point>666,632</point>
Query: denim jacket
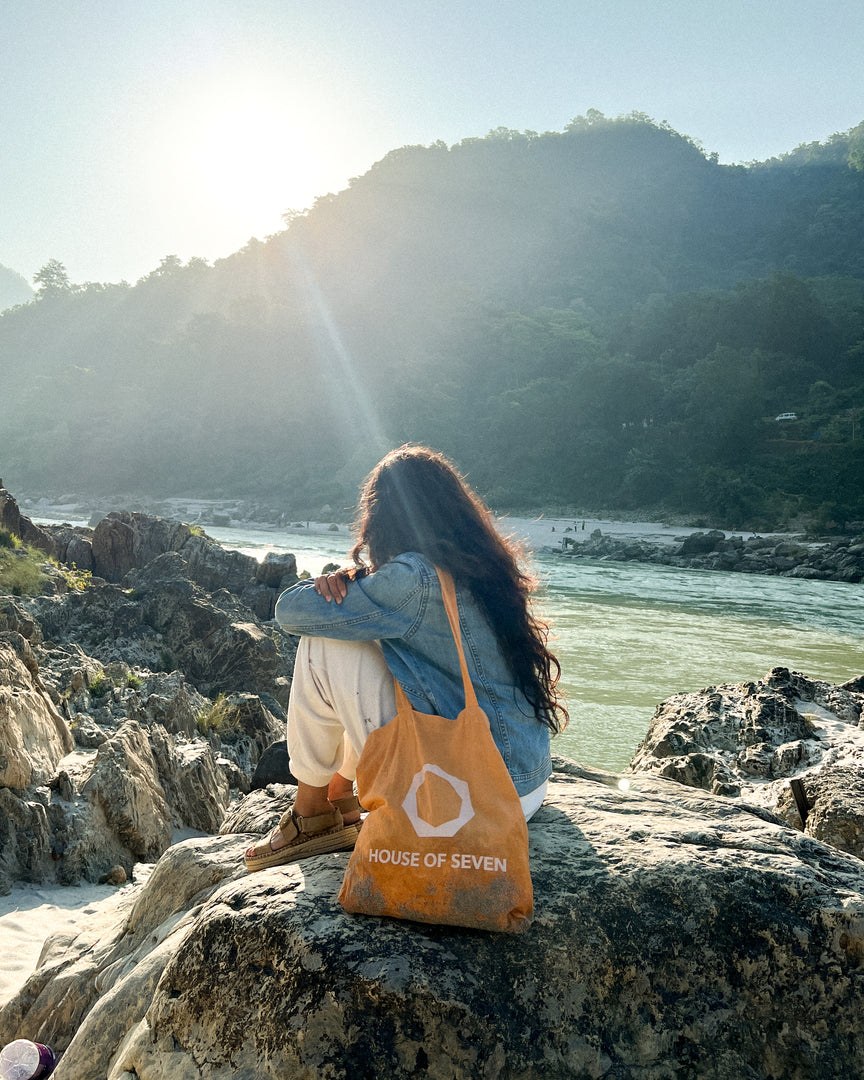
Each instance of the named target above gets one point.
<point>401,606</point>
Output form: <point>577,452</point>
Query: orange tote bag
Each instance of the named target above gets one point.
<point>445,839</point>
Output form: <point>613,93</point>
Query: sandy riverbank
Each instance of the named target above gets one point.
<point>31,913</point>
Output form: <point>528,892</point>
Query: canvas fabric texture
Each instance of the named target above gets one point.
<point>445,840</point>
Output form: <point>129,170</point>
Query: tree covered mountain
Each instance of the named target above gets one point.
<point>13,288</point>
<point>599,318</point>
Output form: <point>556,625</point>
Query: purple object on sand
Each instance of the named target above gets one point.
<point>26,1060</point>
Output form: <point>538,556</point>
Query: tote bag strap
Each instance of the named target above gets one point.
<point>448,591</point>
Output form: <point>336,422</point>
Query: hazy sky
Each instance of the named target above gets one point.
<point>135,129</point>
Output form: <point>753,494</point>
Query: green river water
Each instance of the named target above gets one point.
<point>629,635</point>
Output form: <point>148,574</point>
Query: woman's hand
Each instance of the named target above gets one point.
<point>333,586</point>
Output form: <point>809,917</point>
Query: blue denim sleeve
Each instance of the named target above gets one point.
<point>386,604</point>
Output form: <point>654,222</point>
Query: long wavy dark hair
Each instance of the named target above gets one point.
<point>416,500</point>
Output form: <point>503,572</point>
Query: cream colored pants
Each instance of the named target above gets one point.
<point>341,691</point>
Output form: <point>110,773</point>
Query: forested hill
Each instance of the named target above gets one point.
<point>602,318</point>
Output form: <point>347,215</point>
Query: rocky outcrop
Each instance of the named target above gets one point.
<point>18,524</point>
<point>676,934</point>
<point>33,735</point>
<point>840,559</point>
<point>164,677</point>
<point>749,740</point>
<point>168,621</point>
<point>123,783</point>
<point>124,542</point>
<point>150,755</point>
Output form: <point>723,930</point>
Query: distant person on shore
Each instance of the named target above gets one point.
<point>383,617</point>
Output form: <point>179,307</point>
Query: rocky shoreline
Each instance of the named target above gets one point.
<point>835,559</point>
<point>138,693</point>
<point>145,693</point>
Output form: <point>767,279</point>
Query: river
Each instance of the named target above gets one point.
<point>629,635</point>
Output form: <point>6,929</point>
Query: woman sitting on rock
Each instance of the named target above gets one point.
<point>385,617</point>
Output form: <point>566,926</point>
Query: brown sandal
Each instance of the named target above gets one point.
<point>303,836</point>
<point>347,805</point>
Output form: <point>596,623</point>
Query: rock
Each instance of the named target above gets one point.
<point>750,739</point>
<point>115,876</point>
<point>168,623</point>
<point>212,567</point>
<point>123,540</point>
<point>836,561</point>
<point>16,523</point>
<point>169,700</point>
<point>260,600</point>
<point>114,799</point>
<point>33,735</point>
<point>217,644</point>
<point>274,767</point>
<point>124,783</point>
<point>72,545</point>
<point>14,618</point>
<point>701,543</point>
<point>260,811</point>
<point>835,800</point>
<point>195,787</point>
<point>675,935</point>
<point>249,716</point>
<point>25,839</point>
<point>277,571</point>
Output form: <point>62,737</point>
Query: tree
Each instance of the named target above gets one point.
<point>52,279</point>
<point>856,148</point>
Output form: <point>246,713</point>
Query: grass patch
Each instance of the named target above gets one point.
<point>100,684</point>
<point>219,717</point>
<point>134,682</point>
<point>22,570</point>
<point>76,580</point>
<point>8,540</point>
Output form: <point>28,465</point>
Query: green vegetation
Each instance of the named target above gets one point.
<point>603,318</point>
<point>99,685</point>
<point>219,716</point>
<point>76,580</point>
<point>134,682</point>
<point>22,568</point>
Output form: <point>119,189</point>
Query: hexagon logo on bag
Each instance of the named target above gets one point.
<point>437,804</point>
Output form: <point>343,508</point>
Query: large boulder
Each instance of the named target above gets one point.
<point>212,567</point>
<point>25,837</point>
<point>33,735</point>
<point>124,783</point>
<point>214,639</point>
<point>72,545</point>
<point>676,934</point>
<point>18,524</point>
<point>15,619</point>
<point>750,740</point>
<point>123,540</point>
<point>196,789</point>
<point>277,570</point>
<point>699,543</point>
<point>169,622</point>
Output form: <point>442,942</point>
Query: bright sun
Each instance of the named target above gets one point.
<point>239,153</point>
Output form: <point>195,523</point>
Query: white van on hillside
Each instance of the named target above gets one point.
<point>786,416</point>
